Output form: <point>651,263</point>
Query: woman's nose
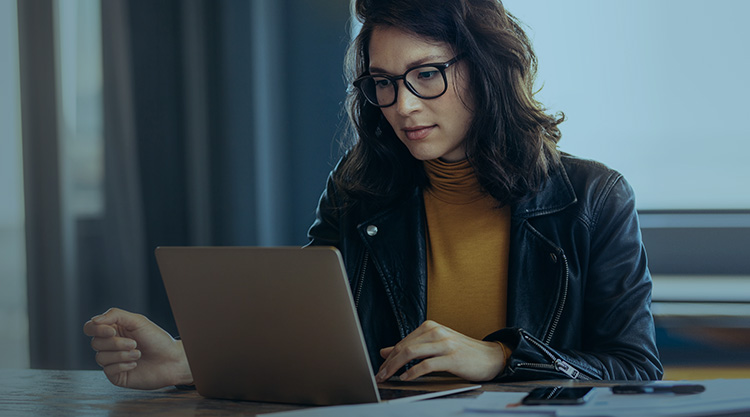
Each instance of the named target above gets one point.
<point>407,102</point>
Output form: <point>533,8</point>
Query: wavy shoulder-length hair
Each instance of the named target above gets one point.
<point>511,141</point>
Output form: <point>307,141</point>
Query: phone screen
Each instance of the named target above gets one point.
<point>557,396</point>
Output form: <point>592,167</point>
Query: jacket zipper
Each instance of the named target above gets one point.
<point>560,305</point>
<point>361,283</point>
<point>557,363</point>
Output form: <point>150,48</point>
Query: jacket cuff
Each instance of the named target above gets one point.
<point>531,358</point>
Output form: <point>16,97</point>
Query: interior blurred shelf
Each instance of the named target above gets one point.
<point>701,288</point>
<point>702,321</point>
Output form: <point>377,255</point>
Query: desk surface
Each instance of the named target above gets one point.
<point>88,393</point>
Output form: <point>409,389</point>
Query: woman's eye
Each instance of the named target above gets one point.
<point>382,83</point>
<point>426,75</point>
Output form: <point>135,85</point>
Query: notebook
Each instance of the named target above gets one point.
<point>274,325</point>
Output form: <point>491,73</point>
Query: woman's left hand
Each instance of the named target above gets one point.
<point>442,349</point>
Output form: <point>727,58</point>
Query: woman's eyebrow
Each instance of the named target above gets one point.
<point>426,60</point>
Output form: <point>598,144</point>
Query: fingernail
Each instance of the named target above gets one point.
<point>130,345</point>
<point>134,354</point>
<point>97,319</point>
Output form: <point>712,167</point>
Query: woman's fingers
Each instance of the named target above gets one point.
<point>442,349</point>
<point>413,351</point>
<point>428,331</point>
<point>118,373</point>
<point>106,358</point>
<point>136,353</point>
<point>435,364</point>
<point>113,344</point>
<point>386,351</point>
<point>98,330</point>
<point>114,318</point>
<point>429,339</point>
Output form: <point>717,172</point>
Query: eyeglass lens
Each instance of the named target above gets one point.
<point>425,82</point>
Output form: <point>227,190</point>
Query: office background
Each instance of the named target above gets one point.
<point>132,124</point>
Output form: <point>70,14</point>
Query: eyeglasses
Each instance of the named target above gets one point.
<point>426,81</point>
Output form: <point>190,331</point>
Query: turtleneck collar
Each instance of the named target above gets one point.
<point>453,182</point>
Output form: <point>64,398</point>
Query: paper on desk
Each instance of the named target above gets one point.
<point>426,408</point>
<point>721,395</point>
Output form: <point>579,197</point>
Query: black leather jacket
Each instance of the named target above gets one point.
<point>579,290</point>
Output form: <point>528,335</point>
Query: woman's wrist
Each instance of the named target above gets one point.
<point>183,377</point>
<point>184,380</point>
<point>506,353</point>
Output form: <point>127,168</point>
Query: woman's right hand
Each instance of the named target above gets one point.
<point>136,353</point>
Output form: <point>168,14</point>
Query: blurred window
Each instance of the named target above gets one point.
<point>80,126</point>
<point>14,327</point>
<point>80,116</point>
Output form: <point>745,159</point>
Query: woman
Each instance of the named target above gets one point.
<point>472,244</point>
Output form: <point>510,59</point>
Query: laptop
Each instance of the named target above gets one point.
<point>273,325</point>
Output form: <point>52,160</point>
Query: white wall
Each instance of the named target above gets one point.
<point>658,89</point>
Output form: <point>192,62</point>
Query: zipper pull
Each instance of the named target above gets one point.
<point>566,368</point>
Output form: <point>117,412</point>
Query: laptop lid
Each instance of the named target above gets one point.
<point>268,324</point>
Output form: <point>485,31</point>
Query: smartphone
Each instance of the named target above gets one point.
<point>558,396</point>
<point>658,388</point>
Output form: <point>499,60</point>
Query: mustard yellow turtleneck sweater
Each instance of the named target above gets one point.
<point>467,251</point>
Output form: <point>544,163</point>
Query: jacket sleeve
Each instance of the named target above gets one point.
<point>618,335</point>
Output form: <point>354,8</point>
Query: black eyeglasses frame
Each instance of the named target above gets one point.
<point>441,66</point>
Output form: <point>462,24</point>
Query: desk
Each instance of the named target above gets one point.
<point>31,392</point>
<point>88,393</point>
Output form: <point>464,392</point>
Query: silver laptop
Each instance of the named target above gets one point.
<point>272,324</point>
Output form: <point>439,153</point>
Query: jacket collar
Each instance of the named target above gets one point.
<point>556,194</point>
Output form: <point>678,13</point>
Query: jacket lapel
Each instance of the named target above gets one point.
<point>537,266</point>
<point>389,236</point>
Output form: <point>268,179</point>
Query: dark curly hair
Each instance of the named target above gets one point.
<point>511,142</point>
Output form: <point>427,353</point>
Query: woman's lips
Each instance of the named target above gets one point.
<point>418,132</point>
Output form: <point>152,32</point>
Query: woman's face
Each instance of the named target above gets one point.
<point>430,128</point>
